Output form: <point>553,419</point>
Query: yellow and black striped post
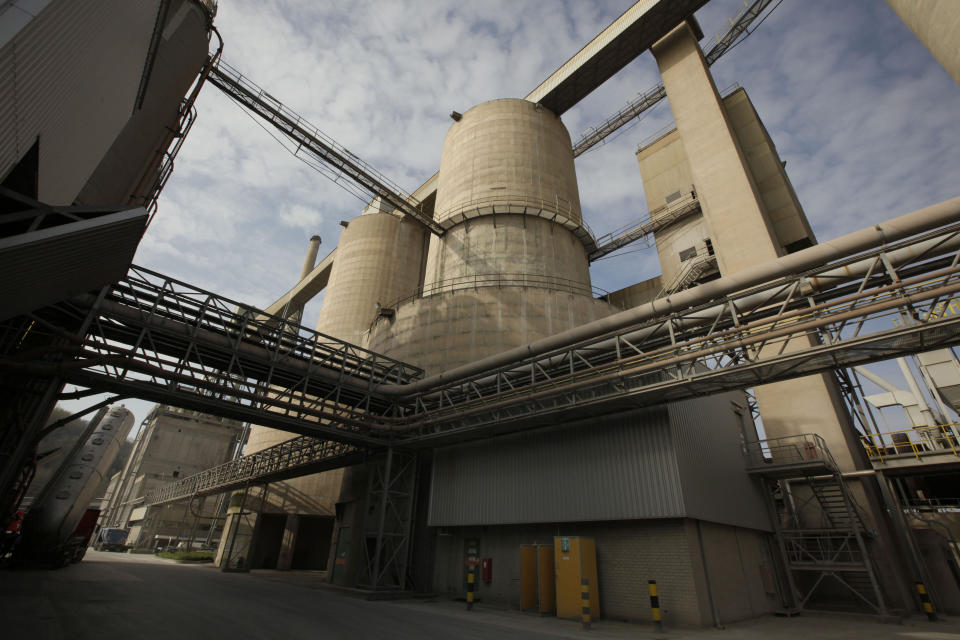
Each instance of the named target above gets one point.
<point>585,603</point>
<point>925,601</point>
<point>655,605</point>
<point>471,578</point>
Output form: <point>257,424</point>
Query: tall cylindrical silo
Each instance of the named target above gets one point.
<point>379,260</point>
<point>512,265</point>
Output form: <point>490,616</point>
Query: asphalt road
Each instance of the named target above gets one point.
<point>127,596</point>
<point>113,596</point>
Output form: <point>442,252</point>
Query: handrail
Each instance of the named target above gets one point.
<point>936,439</point>
<point>481,280</point>
<point>804,448</point>
<point>516,204</point>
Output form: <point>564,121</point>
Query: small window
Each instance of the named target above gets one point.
<point>798,245</point>
<point>686,254</point>
<point>709,245</point>
<point>673,196</point>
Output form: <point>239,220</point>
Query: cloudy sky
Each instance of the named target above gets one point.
<point>862,114</point>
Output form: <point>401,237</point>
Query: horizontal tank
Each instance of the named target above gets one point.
<point>61,506</point>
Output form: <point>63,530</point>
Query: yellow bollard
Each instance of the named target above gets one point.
<point>655,605</point>
<point>471,578</point>
<point>585,604</point>
<point>925,601</point>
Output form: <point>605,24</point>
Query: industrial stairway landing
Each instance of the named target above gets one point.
<point>820,532</point>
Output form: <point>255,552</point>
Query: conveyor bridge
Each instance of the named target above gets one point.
<point>868,296</point>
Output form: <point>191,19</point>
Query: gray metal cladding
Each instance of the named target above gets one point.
<point>612,468</point>
<point>716,486</point>
<point>74,71</point>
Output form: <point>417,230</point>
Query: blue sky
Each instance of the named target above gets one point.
<point>863,115</point>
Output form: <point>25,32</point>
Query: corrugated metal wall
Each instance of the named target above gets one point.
<point>611,468</point>
<point>711,465</point>
<point>70,77</point>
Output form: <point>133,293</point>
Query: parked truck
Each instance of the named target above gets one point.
<point>111,539</point>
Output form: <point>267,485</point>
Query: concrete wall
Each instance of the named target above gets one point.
<point>70,77</point>
<point>379,259</point>
<point>741,232</point>
<point>936,23</point>
<point>507,151</point>
<point>635,294</point>
<point>449,329</point>
<point>629,553</point>
<point>129,168</point>
<point>173,443</point>
<point>780,203</point>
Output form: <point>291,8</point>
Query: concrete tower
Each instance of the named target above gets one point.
<point>512,266</point>
<point>379,259</point>
<point>936,24</point>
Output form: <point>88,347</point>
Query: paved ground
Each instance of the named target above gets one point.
<point>137,597</point>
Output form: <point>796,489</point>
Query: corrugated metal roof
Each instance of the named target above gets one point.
<point>611,468</point>
<point>43,267</point>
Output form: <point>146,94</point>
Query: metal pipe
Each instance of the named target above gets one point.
<point>619,372</point>
<point>918,395</point>
<point>877,235</point>
<point>311,260</point>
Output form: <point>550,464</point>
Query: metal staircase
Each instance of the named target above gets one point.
<point>821,534</point>
<point>691,272</point>
<point>656,220</point>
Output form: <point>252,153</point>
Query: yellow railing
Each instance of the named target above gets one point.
<point>918,442</point>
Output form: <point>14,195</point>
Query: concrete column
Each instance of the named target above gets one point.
<point>740,230</point>
<point>936,23</point>
<point>289,542</point>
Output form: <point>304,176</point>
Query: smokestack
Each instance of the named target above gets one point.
<point>310,261</point>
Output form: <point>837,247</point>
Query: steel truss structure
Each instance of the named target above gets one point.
<point>316,148</point>
<point>296,457</point>
<point>866,308</point>
<point>390,502</point>
<point>160,339</point>
<point>167,341</point>
<point>802,484</point>
<point>739,29</point>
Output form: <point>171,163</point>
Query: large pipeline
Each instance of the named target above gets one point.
<point>795,263</point>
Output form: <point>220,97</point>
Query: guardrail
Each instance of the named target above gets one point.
<point>935,440</point>
<point>807,448</point>
<point>481,280</point>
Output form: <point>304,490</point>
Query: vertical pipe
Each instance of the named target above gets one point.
<point>706,574</point>
<point>915,390</point>
<point>311,260</point>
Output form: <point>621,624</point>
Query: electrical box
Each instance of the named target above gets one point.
<point>537,580</point>
<point>575,558</point>
<point>486,569</point>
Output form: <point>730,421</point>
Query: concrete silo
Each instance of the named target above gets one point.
<point>512,266</point>
<point>379,259</point>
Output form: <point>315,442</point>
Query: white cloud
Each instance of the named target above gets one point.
<point>860,111</point>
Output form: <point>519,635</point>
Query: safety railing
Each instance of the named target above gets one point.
<point>918,442</point>
<point>558,210</point>
<point>655,220</point>
<point>803,449</point>
<point>501,280</point>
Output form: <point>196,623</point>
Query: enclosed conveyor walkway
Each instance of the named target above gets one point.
<point>733,333</point>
